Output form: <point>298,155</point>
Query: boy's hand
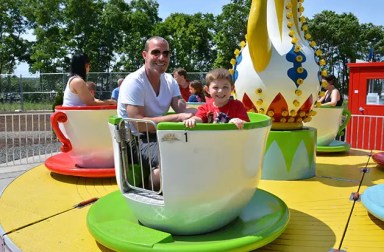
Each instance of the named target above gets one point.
<point>190,123</point>
<point>238,122</point>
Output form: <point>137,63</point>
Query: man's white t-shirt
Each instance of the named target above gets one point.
<point>137,90</point>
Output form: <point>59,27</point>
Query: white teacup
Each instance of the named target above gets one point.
<point>328,122</point>
<point>84,132</point>
<point>209,174</point>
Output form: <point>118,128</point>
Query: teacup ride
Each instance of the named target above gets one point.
<point>86,149</point>
<point>330,122</point>
<point>190,105</point>
<point>194,104</point>
<point>379,158</point>
<point>208,199</point>
<point>373,200</point>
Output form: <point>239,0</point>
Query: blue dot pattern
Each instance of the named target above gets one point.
<point>292,72</point>
<point>238,61</point>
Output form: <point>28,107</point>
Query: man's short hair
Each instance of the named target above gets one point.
<point>146,46</point>
<point>181,71</point>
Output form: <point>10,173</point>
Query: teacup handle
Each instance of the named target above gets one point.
<point>348,115</point>
<point>61,117</point>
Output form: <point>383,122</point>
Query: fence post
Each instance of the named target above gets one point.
<point>21,94</point>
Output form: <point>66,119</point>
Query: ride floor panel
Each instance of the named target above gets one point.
<point>320,208</point>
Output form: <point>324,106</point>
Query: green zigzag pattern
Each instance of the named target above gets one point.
<point>294,141</point>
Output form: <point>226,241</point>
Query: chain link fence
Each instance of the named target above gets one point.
<point>19,93</point>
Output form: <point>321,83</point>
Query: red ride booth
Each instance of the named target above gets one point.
<point>366,103</point>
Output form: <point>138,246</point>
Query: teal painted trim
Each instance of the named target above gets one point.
<point>256,121</point>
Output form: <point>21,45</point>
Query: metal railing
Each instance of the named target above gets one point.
<point>137,170</point>
<point>17,92</point>
<point>26,138</point>
<point>366,132</point>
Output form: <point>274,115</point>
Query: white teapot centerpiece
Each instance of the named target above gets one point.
<point>277,72</point>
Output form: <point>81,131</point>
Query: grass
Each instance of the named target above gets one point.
<point>27,106</point>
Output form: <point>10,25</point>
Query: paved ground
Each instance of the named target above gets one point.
<point>8,174</point>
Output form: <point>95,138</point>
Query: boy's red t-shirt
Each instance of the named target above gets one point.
<point>233,109</point>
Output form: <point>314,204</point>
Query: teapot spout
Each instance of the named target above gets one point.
<point>259,44</point>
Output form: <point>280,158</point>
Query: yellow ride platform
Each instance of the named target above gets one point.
<point>319,208</point>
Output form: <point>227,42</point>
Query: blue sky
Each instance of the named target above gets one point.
<point>365,10</point>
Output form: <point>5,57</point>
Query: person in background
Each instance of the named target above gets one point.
<point>91,87</point>
<point>197,92</point>
<point>115,92</point>
<point>76,92</point>
<point>332,96</point>
<point>180,75</point>
<point>222,109</point>
<point>148,93</point>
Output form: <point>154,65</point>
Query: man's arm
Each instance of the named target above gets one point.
<point>138,112</point>
<point>180,106</point>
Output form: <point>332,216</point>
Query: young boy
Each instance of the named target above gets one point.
<point>91,87</point>
<point>222,109</point>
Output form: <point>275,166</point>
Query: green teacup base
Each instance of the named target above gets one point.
<point>290,155</point>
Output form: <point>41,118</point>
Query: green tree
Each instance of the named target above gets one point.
<point>83,33</point>
<point>230,29</point>
<point>190,38</point>
<point>71,26</point>
<point>114,25</point>
<point>371,36</point>
<point>47,19</point>
<point>138,27</point>
<point>13,47</point>
<point>332,33</point>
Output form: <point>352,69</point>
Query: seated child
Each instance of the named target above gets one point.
<point>92,89</point>
<point>222,109</point>
<point>197,92</point>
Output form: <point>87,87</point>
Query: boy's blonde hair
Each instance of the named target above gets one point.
<point>218,74</point>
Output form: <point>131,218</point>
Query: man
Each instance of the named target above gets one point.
<point>148,94</point>
<point>180,75</point>
<point>115,92</point>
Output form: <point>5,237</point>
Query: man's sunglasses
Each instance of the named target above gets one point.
<point>157,53</point>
